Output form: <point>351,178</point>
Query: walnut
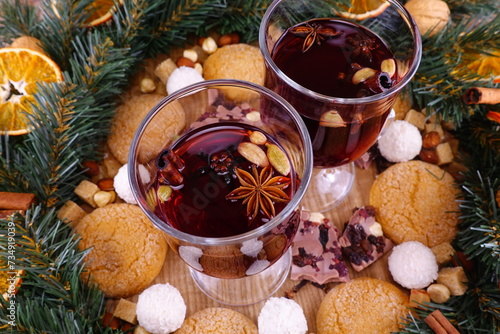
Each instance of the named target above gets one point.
<point>431,16</point>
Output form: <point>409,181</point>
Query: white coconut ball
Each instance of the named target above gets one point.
<point>182,77</point>
<point>282,316</point>
<point>161,309</point>
<point>400,141</point>
<point>413,265</point>
<point>122,184</point>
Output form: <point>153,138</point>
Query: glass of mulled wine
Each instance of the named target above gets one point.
<point>342,72</point>
<point>221,167</point>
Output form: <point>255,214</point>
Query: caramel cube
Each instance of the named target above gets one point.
<point>429,116</point>
<point>164,69</point>
<point>86,191</point>
<point>125,310</point>
<point>71,213</point>
<point>416,118</point>
<point>444,153</point>
<point>454,278</point>
<point>443,252</point>
<point>418,297</point>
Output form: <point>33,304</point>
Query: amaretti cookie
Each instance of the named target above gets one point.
<point>217,320</point>
<point>363,305</point>
<point>126,251</point>
<point>158,134</point>
<point>416,201</point>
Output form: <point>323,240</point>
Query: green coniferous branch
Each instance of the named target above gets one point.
<point>18,18</point>
<point>443,77</point>
<point>52,298</point>
<point>169,23</point>
<point>240,16</point>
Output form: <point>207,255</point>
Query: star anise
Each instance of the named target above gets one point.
<point>313,33</point>
<point>260,191</point>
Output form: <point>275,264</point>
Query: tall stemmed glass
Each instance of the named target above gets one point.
<point>226,189</point>
<point>342,72</point>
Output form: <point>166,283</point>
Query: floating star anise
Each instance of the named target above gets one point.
<point>260,191</point>
<point>313,33</point>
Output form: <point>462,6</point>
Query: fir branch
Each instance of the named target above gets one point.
<point>47,250</point>
<point>443,76</point>
<point>18,18</point>
<point>240,16</point>
<point>169,23</point>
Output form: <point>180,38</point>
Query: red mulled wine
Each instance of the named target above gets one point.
<point>337,59</point>
<point>220,180</point>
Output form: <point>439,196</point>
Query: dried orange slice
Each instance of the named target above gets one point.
<point>10,280</point>
<point>20,71</point>
<point>487,65</point>
<point>364,9</point>
<point>102,11</point>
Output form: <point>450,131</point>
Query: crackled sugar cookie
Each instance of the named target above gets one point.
<point>217,320</point>
<point>416,201</point>
<point>127,251</point>
<point>363,305</point>
<point>158,134</point>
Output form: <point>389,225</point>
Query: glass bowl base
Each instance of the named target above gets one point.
<point>328,188</point>
<point>247,290</point>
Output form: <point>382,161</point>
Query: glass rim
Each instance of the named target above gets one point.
<point>332,99</point>
<point>214,241</point>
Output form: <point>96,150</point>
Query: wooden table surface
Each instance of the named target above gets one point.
<point>176,272</point>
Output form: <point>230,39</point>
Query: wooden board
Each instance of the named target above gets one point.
<point>176,272</point>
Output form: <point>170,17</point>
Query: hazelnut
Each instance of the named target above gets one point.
<point>429,155</point>
<point>190,54</point>
<point>106,184</point>
<point>224,40</point>
<point>183,61</point>
<point>209,45</point>
<point>431,139</point>
<point>235,38</point>
<point>201,40</point>
<point>103,198</point>
<point>199,68</point>
<point>91,167</point>
<point>147,85</point>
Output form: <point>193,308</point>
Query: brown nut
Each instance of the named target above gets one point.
<point>201,40</point>
<point>429,155</point>
<point>431,139</point>
<point>91,167</point>
<point>183,61</point>
<point>106,184</point>
<point>235,38</point>
<point>224,40</point>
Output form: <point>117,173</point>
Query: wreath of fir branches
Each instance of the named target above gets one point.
<point>72,119</point>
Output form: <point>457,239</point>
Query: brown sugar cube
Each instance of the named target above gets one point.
<point>444,153</point>
<point>416,118</point>
<point>429,127</point>
<point>164,69</point>
<point>86,191</point>
<point>125,310</point>
<point>71,212</point>
<point>430,117</point>
<point>418,297</point>
<point>443,252</point>
<point>454,278</point>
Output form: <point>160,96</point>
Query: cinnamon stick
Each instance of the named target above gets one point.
<point>482,95</point>
<point>439,324</point>
<point>16,201</point>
